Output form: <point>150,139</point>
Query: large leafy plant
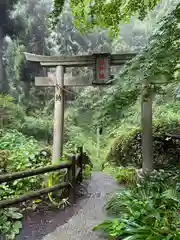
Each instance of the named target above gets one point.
<point>10,222</point>
<point>145,211</point>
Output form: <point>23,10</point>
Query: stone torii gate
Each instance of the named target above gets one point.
<point>101,65</point>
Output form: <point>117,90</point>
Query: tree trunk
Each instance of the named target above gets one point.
<point>27,87</point>
<point>4,85</point>
<point>147,140</point>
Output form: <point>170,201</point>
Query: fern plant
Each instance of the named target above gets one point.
<point>144,211</point>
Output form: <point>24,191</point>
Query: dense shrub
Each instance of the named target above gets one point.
<point>18,153</point>
<point>21,153</point>
<point>126,149</point>
<point>11,114</point>
<point>40,128</point>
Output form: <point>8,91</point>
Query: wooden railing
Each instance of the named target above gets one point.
<point>74,168</point>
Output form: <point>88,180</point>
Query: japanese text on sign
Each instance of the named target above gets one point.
<point>101,68</point>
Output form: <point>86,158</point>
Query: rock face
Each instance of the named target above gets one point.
<point>90,213</point>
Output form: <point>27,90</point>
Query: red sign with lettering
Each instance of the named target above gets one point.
<point>102,61</point>
<point>101,68</point>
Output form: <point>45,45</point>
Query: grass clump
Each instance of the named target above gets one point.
<point>123,175</point>
<point>145,210</point>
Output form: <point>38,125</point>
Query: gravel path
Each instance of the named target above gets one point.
<point>79,226</point>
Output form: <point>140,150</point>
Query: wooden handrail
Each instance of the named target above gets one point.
<point>74,166</point>
<point>32,195</point>
<point>29,173</point>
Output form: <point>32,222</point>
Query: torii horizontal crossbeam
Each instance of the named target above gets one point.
<point>72,61</point>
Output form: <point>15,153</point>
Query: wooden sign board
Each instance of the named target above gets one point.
<point>69,80</point>
<point>102,70</point>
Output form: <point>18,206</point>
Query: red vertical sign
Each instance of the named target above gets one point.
<point>101,69</point>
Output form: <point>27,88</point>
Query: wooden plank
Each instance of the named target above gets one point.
<point>69,80</point>
<point>44,82</point>
<point>123,56</point>
<point>119,62</point>
<point>29,173</point>
<point>81,64</point>
<point>33,195</point>
<point>78,81</point>
<point>67,64</point>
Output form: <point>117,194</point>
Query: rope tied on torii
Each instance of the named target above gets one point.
<point>63,89</point>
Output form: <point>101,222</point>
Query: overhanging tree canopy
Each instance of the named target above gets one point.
<point>103,13</point>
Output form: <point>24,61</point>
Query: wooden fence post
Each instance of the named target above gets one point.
<point>72,180</point>
<point>98,142</point>
<point>81,164</point>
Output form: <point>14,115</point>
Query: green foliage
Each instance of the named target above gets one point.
<point>10,222</point>
<point>105,14</point>
<point>58,8</point>
<point>148,210</point>
<point>123,175</point>
<point>126,175</point>
<point>156,63</point>
<point>3,160</point>
<point>126,149</point>
<point>87,172</point>
<point>19,61</point>
<point>10,114</point>
<point>24,154</point>
<point>40,128</point>
<point>18,153</point>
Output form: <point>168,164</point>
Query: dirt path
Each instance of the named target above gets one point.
<point>73,223</point>
<point>91,211</point>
